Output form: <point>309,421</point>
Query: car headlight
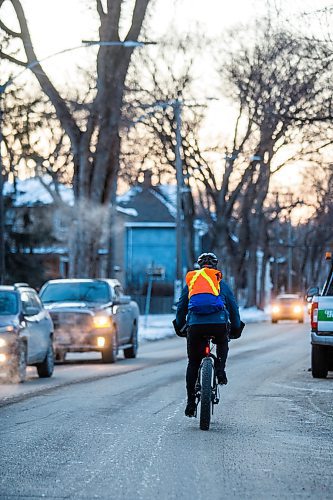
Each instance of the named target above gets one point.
<point>7,329</point>
<point>3,358</point>
<point>275,309</point>
<point>102,322</point>
<point>297,309</point>
<point>3,343</point>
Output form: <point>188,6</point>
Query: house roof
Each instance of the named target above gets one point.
<point>152,203</point>
<point>32,192</point>
<point>144,202</point>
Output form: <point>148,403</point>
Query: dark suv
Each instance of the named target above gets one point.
<point>92,315</point>
<point>26,332</point>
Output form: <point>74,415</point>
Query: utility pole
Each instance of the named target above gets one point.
<point>2,212</point>
<point>290,258</point>
<point>290,246</point>
<point>176,105</point>
<point>179,217</point>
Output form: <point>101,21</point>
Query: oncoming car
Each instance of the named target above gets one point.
<point>288,306</point>
<point>91,315</point>
<point>26,332</point>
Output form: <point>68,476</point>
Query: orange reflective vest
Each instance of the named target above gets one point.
<point>203,280</point>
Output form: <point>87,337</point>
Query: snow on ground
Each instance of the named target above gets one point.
<point>159,326</point>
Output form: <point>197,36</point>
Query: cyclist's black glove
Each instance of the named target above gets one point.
<point>181,332</point>
<point>235,333</point>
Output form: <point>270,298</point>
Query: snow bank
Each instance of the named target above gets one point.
<point>159,326</point>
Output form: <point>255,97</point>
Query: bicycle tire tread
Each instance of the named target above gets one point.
<point>206,394</point>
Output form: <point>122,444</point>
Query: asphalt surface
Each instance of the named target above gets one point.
<point>125,436</point>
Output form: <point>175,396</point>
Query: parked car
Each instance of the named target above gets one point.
<point>288,306</point>
<point>92,315</point>
<point>26,333</point>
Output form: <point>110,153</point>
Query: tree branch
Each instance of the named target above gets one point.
<point>63,113</point>
<point>12,59</point>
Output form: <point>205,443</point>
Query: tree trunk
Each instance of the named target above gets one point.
<point>85,240</point>
<point>251,273</point>
<point>189,215</point>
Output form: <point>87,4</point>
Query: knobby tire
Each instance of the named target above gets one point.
<point>206,394</point>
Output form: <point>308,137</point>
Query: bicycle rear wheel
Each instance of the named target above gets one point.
<point>206,393</point>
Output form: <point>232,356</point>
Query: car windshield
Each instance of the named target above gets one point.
<point>288,300</point>
<point>8,303</point>
<point>96,291</point>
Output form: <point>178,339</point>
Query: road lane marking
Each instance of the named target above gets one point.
<point>285,386</point>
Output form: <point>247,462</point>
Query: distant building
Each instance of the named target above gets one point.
<point>149,236</point>
<point>146,225</point>
<point>37,218</point>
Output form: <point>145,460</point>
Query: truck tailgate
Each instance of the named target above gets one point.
<point>325,314</point>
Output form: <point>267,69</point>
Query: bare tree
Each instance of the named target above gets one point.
<point>95,139</point>
<point>314,236</point>
<point>275,82</point>
<point>168,74</point>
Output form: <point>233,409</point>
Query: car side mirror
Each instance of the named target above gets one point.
<point>124,299</point>
<point>30,311</point>
<point>314,290</point>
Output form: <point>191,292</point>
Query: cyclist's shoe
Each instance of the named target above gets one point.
<point>190,408</point>
<point>221,377</point>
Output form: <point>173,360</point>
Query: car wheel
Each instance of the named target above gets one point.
<point>45,369</point>
<point>319,361</point>
<point>131,352</point>
<point>274,320</point>
<point>109,354</point>
<point>19,371</point>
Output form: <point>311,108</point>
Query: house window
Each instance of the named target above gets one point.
<point>64,267</point>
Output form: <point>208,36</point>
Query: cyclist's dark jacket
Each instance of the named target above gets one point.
<point>230,311</point>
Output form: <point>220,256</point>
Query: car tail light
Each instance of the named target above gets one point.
<point>314,315</point>
<point>207,350</point>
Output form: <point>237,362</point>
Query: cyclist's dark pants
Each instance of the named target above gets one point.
<point>196,350</point>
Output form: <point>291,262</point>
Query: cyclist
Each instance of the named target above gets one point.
<point>212,318</point>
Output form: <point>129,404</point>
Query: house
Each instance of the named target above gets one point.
<point>149,233</point>
<point>37,218</point>
<point>146,225</point>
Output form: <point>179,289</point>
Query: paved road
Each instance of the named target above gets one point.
<point>125,436</point>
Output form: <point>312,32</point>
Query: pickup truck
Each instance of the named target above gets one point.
<point>91,315</point>
<point>322,326</point>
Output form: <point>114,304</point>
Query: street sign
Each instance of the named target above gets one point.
<point>156,273</point>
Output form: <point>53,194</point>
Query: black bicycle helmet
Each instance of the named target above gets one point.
<point>207,260</point>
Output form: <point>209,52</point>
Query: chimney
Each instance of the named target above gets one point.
<point>147,175</point>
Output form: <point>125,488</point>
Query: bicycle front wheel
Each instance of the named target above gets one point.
<point>206,393</point>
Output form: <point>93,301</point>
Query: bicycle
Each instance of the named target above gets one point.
<point>206,388</point>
